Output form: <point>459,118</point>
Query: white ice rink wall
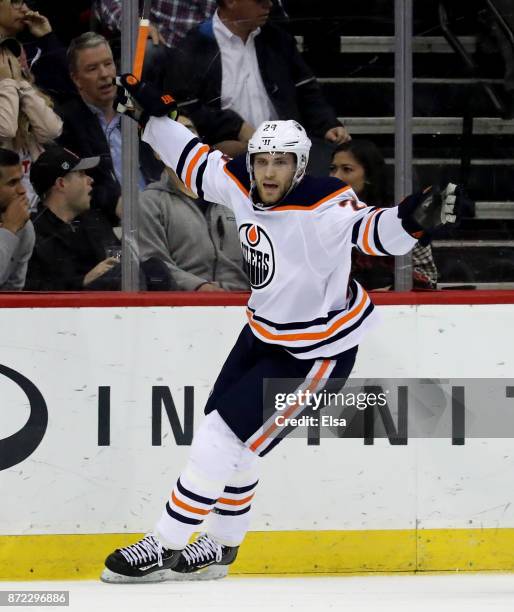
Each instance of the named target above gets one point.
<point>102,466</point>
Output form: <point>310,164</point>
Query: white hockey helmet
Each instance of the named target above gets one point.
<point>280,137</point>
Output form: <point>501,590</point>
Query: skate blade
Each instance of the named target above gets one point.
<point>213,572</point>
<point>112,577</point>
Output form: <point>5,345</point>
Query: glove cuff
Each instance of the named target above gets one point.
<point>405,213</point>
<point>152,102</point>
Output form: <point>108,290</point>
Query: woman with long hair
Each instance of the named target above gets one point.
<point>27,119</point>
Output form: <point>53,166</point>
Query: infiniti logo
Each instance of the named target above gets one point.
<point>23,443</point>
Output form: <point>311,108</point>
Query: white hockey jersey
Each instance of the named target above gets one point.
<point>298,254</point>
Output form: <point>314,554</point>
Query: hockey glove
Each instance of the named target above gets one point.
<point>422,213</point>
<point>140,101</point>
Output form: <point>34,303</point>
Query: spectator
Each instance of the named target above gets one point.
<point>68,19</point>
<point>16,230</point>
<point>197,240</point>
<point>69,254</point>
<point>42,53</point>
<point>361,164</point>
<point>93,128</point>
<point>72,241</point>
<point>237,70</point>
<point>170,22</point>
<point>27,120</point>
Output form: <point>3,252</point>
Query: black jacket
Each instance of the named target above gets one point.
<point>194,78</point>
<point>46,57</point>
<point>65,252</point>
<point>83,134</point>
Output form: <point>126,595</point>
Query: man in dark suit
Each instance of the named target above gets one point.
<point>92,127</point>
<point>237,70</point>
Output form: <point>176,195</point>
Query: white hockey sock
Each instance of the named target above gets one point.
<point>230,518</point>
<point>216,453</point>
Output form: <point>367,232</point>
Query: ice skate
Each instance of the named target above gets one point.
<point>144,561</point>
<point>204,559</point>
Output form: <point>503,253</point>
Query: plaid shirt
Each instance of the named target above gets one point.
<point>173,18</point>
<point>423,263</point>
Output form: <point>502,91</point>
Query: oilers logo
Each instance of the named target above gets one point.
<point>258,255</point>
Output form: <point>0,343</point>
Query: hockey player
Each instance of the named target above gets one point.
<point>306,318</point>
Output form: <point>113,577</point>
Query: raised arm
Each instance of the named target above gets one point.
<point>199,168</point>
<point>380,232</point>
<point>45,124</point>
<point>9,108</point>
<point>394,231</point>
<point>390,231</point>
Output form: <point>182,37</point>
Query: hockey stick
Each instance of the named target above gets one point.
<point>142,37</point>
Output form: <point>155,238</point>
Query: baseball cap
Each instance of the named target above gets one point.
<point>54,163</point>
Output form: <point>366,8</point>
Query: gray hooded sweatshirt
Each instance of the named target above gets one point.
<point>198,241</point>
<point>15,252</point>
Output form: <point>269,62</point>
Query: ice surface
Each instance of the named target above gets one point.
<point>434,593</point>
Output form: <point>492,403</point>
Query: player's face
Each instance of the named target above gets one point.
<point>273,174</point>
<point>78,187</point>
<point>10,185</point>
<point>344,166</point>
<point>94,75</point>
<point>12,17</point>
